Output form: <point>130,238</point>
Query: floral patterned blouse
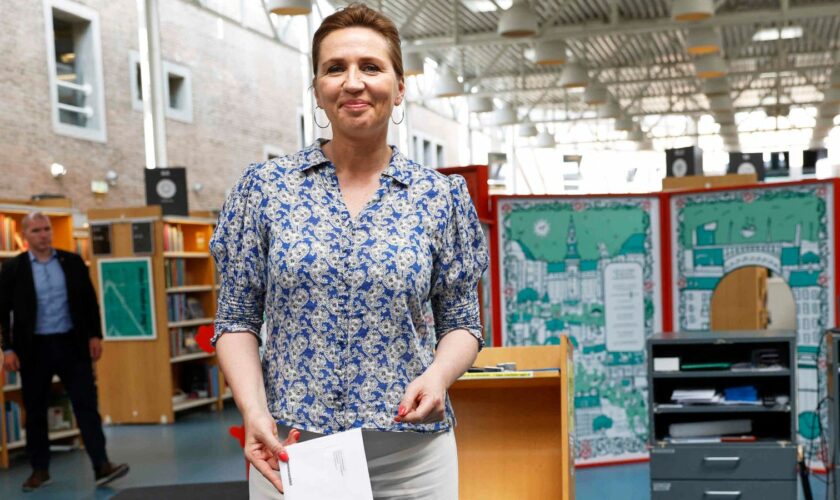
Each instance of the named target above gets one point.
<point>346,301</point>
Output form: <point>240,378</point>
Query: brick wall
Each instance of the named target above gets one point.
<point>246,90</point>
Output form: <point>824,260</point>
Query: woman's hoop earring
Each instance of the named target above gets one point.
<point>401,119</point>
<point>315,118</point>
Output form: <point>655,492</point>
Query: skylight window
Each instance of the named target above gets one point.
<point>771,34</point>
<point>487,5</point>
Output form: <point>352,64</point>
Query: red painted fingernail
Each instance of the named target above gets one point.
<point>284,456</point>
<point>402,411</point>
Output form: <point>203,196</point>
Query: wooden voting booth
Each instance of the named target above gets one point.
<point>515,434</point>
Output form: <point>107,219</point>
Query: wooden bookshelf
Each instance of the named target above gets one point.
<point>11,215</point>
<point>183,282</point>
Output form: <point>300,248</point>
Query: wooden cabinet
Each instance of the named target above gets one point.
<point>151,381</point>
<point>515,435</point>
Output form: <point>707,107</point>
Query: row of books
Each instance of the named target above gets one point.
<point>182,341</point>
<point>200,381</point>
<point>10,240</point>
<point>174,271</point>
<point>181,307</point>
<point>14,423</point>
<point>12,379</point>
<point>173,238</point>
<point>60,417</point>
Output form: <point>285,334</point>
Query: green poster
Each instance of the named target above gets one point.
<point>587,268</point>
<point>128,311</point>
<point>786,229</point>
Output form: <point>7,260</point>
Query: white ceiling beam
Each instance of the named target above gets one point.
<point>686,76</point>
<point>599,28</point>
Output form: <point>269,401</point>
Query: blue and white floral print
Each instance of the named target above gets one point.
<point>346,300</point>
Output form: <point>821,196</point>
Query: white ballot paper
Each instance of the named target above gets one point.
<point>332,467</point>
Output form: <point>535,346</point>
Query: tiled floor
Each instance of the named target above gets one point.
<point>198,449</point>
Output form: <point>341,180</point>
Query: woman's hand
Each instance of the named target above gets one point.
<point>424,400</point>
<point>263,448</point>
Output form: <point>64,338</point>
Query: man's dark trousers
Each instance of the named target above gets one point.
<point>60,355</point>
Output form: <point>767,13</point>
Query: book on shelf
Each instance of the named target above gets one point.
<point>182,341</point>
<point>202,381</point>
<point>12,379</point>
<point>180,307</point>
<point>173,238</point>
<point>60,414</point>
<point>10,240</point>
<point>710,428</point>
<point>14,431</point>
<point>175,272</point>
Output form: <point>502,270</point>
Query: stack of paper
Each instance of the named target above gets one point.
<point>696,396</point>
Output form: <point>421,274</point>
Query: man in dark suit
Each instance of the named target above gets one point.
<point>49,317</point>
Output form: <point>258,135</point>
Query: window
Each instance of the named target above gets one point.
<point>74,58</point>
<point>177,91</point>
<point>429,152</point>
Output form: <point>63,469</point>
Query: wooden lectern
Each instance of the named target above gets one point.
<point>516,435</point>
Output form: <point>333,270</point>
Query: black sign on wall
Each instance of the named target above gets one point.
<point>141,237</point>
<point>810,158</point>
<point>167,187</point>
<point>100,239</point>
<point>682,162</point>
<point>746,163</point>
<point>779,164</point>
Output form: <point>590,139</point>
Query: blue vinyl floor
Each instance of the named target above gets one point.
<point>198,449</point>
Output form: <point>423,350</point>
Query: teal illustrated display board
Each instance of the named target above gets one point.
<point>588,268</point>
<point>788,229</point>
<point>128,311</point>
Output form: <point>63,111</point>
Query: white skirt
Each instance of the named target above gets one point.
<point>402,466</point>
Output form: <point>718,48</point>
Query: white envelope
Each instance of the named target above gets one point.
<point>332,467</point>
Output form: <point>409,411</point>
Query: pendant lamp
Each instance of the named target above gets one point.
<point>702,41</point>
<point>710,66</point>
<point>447,84</point>
<point>478,104</point>
<point>545,139</point>
<point>595,95</point>
<point>692,10</point>
<point>413,64</point>
<point>574,75</point>
<point>290,7</point>
<point>506,115</point>
<point>518,21</point>
<point>550,53</point>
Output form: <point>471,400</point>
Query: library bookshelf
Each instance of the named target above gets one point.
<point>152,380</point>
<point>13,416</point>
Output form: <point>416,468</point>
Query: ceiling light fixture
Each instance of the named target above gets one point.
<point>478,104</point>
<point>505,115</point>
<point>702,41</point>
<point>527,129</point>
<point>609,110</point>
<point>574,75</point>
<point>710,66</point>
<point>595,95</point>
<point>720,102</point>
<point>550,53</point>
<point>715,86</point>
<point>518,21</point>
<point>692,10</point>
<point>545,139</point>
<point>624,123</point>
<point>413,64</point>
<point>447,84</point>
<point>290,7</point>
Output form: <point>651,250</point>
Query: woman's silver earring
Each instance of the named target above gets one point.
<point>315,117</point>
<point>401,119</point>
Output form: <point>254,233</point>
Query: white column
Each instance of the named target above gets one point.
<point>151,81</point>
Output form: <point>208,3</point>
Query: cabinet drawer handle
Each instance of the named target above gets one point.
<point>723,460</point>
<point>722,494</point>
